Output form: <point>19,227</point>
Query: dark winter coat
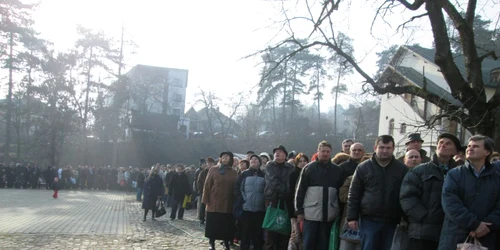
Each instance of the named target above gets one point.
<point>317,195</point>
<point>374,192</point>
<point>348,167</point>
<point>140,179</point>
<point>294,177</point>
<point>179,187</point>
<point>200,182</point>
<point>278,181</point>
<point>468,200</point>
<point>420,199</point>
<point>153,187</point>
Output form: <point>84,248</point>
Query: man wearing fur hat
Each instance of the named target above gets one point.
<point>414,141</point>
<point>277,190</point>
<point>421,191</point>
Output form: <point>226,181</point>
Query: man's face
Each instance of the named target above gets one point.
<point>210,164</point>
<point>446,148</point>
<point>203,166</point>
<point>346,147</point>
<point>254,162</point>
<point>225,159</point>
<point>357,151</point>
<point>324,154</point>
<point>279,156</point>
<point>179,170</point>
<point>476,151</point>
<point>384,150</point>
<point>417,145</point>
<point>412,158</point>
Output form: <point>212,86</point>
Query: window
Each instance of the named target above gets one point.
<point>402,129</point>
<point>176,111</point>
<point>391,127</point>
<point>178,97</point>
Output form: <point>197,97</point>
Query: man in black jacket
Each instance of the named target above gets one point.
<point>277,190</point>
<point>420,194</point>
<point>357,151</point>
<point>317,200</point>
<point>374,196</point>
<point>178,188</point>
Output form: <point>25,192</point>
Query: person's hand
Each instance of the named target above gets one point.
<point>354,225</point>
<point>482,230</point>
<point>300,218</point>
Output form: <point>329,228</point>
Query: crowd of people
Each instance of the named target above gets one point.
<point>439,201</point>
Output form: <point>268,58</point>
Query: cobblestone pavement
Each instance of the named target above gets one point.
<point>32,219</point>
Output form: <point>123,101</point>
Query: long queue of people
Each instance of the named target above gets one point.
<point>439,202</point>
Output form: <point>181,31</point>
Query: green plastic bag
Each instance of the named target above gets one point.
<point>277,220</point>
<point>334,236</point>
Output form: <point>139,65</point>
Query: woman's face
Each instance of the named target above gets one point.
<point>302,162</point>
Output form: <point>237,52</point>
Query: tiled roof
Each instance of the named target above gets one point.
<point>488,64</point>
<point>431,86</point>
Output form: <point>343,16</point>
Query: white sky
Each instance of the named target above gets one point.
<point>209,38</point>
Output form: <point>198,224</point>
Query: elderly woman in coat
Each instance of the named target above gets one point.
<point>153,190</point>
<point>218,198</point>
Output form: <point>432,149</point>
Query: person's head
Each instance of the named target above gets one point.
<point>227,158</point>
<point>280,154</point>
<point>265,157</point>
<point>324,151</point>
<point>301,160</point>
<point>255,161</point>
<point>346,145</point>
<point>357,151</point>
<point>56,179</point>
<point>412,158</point>
<point>480,148</point>
<point>384,147</point>
<point>460,156</point>
<point>414,141</point>
<point>495,157</point>
<point>243,164</point>
<point>447,145</point>
<point>203,163</point>
<point>249,153</point>
<point>210,162</point>
<point>292,155</point>
<point>236,161</point>
<point>340,157</point>
<point>179,168</point>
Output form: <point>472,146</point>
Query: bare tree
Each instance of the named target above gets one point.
<point>476,113</point>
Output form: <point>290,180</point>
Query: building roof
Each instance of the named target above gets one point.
<point>487,66</point>
<point>431,86</point>
<point>155,68</point>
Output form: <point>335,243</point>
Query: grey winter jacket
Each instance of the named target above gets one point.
<point>249,187</point>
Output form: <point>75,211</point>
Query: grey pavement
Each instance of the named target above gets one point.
<point>32,219</point>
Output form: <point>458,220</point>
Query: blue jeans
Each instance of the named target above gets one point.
<point>139,194</point>
<point>376,235</point>
<point>316,234</point>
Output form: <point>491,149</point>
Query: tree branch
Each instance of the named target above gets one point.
<point>471,12</point>
<point>486,55</point>
<point>414,6</point>
<point>411,20</point>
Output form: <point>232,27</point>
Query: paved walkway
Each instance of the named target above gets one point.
<point>32,219</point>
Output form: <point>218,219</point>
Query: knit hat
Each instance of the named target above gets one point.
<point>265,155</point>
<point>254,155</point>
<point>453,138</point>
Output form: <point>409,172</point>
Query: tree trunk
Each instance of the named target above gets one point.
<point>284,98</point>
<point>8,115</point>
<point>85,114</point>
<point>336,97</point>
<point>319,101</point>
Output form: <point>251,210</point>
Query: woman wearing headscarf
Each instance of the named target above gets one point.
<point>153,190</point>
<point>218,198</point>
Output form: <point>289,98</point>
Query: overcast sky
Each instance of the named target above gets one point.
<point>210,38</point>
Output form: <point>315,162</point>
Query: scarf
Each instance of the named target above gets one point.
<point>222,169</point>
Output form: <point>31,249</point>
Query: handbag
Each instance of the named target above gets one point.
<point>160,209</point>
<point>334,235</point>
<point>476,245</point>
<point>350,235</point>
<point>401,238</point>
<point>276,220</point>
